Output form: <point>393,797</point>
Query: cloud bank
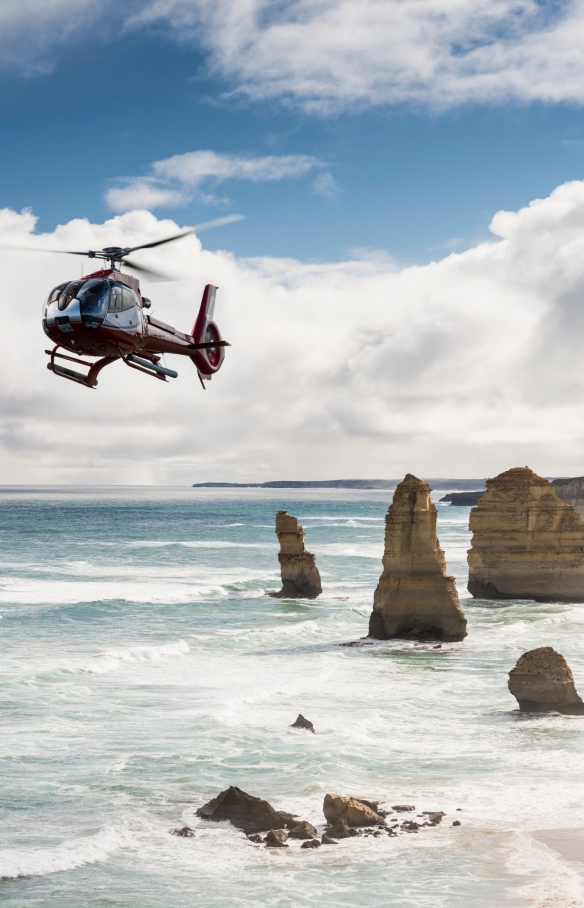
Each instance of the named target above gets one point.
<point>461,367</point>
<point>175,180</point>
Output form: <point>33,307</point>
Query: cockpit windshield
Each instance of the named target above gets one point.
<point>69,293</point>
<point>93,300</point>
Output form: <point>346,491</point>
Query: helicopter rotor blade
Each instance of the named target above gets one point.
<point>88,252</point>
<point>208,225</point>
<point>156,276</point>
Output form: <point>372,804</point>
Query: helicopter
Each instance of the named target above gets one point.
<point>103,314</point>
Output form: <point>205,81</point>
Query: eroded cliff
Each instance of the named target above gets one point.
<point>542,681</point>
<point>526,543</point>
<point>415,599</point>
<point>300,575</point>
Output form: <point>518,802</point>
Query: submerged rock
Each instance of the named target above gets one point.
<point>415,599</point>
<point>311,843</point>
<point>527,543</point>
<point>402,808</point>
<point>303,830</point>
<point>245,811</point>
<point>326,840</point>
<point>300,576</point>
<point>434,817</point>
<point>301,722</point>
<point>353,812</point>
<point>542,681</point>
<point>339,830</point>
<point>276,838</point>
<point>184,832</point>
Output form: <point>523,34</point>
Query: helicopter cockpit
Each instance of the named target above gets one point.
<point>93,302</point>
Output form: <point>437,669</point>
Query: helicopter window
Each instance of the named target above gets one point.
<point>55,294</point>
<point>116,299</point>
<point>128,298</point>
<point>69,293</point>
<point>93,298</point>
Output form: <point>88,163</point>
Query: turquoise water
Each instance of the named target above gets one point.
<point>143,669</point>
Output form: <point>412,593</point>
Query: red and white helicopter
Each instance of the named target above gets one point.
<point>104,315</point>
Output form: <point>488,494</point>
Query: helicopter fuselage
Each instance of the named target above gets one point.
<point>103,315</point>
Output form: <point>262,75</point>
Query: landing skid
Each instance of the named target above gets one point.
<point>147,363</point>
<point>90,379</point>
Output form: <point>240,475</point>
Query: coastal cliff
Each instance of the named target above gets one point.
<point>415,599</point>
<point>300,575</point>
<point>571,491</point>
<point>526,543</point>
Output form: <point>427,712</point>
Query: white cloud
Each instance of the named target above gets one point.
<point>464,366</point>
<point>32,30</point>
<point>327,54</point>
<point>175,180</point>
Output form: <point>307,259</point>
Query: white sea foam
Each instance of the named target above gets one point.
<point>112,659</point>
<point>38,861</point>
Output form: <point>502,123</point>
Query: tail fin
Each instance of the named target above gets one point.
<point>205,331</point>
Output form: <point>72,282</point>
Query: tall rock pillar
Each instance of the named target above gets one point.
<point>300,576</point>
<point>415,599</point>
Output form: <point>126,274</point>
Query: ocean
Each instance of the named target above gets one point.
<point>143,669</point>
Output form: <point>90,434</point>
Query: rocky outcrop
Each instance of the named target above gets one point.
<point>276,838</point>
<point>185,832</point>
<point>526,543</point>
<point>353,812</point>
<point>245,812</point>
<point>300,576</point>
<point>571,491</point>
<point>301,722</point>
<point>542,681</point>
<point>303,830</point>
<point>415,599</point>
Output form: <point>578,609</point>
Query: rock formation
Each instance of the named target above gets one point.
<point>414,598</point>
<point>301,722</point>
<point>353,812</point>
<point>542,681</point>
<point>300,577</point>
<point>571,491</point>
<point>276,838</point>
<point>245,812</point>
<point>526,544</point>
<point>303,830</point>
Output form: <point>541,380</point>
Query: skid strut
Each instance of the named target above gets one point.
<point>90,379</point>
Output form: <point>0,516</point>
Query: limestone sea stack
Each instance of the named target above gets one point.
<point>300,576</point>
<point>526,543</point>
<point>542,681</point>
<point>415,599</point>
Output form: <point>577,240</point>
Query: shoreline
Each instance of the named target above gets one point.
<point>567,842</point>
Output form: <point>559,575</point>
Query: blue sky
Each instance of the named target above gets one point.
<point>404,177</point>
<point>404,293</point>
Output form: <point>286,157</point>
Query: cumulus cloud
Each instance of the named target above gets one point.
<point>464,366</point>
<point>174,180</point>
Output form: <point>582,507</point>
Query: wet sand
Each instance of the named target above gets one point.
<point>569,843</point>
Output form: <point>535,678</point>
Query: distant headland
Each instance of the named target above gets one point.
<point>341,484</point>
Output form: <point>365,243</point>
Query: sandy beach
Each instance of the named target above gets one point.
<point>569,843</point>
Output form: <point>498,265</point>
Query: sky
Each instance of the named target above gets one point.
<point>403,290</point>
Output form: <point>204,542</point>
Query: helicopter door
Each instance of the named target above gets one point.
<point>123,308</point>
